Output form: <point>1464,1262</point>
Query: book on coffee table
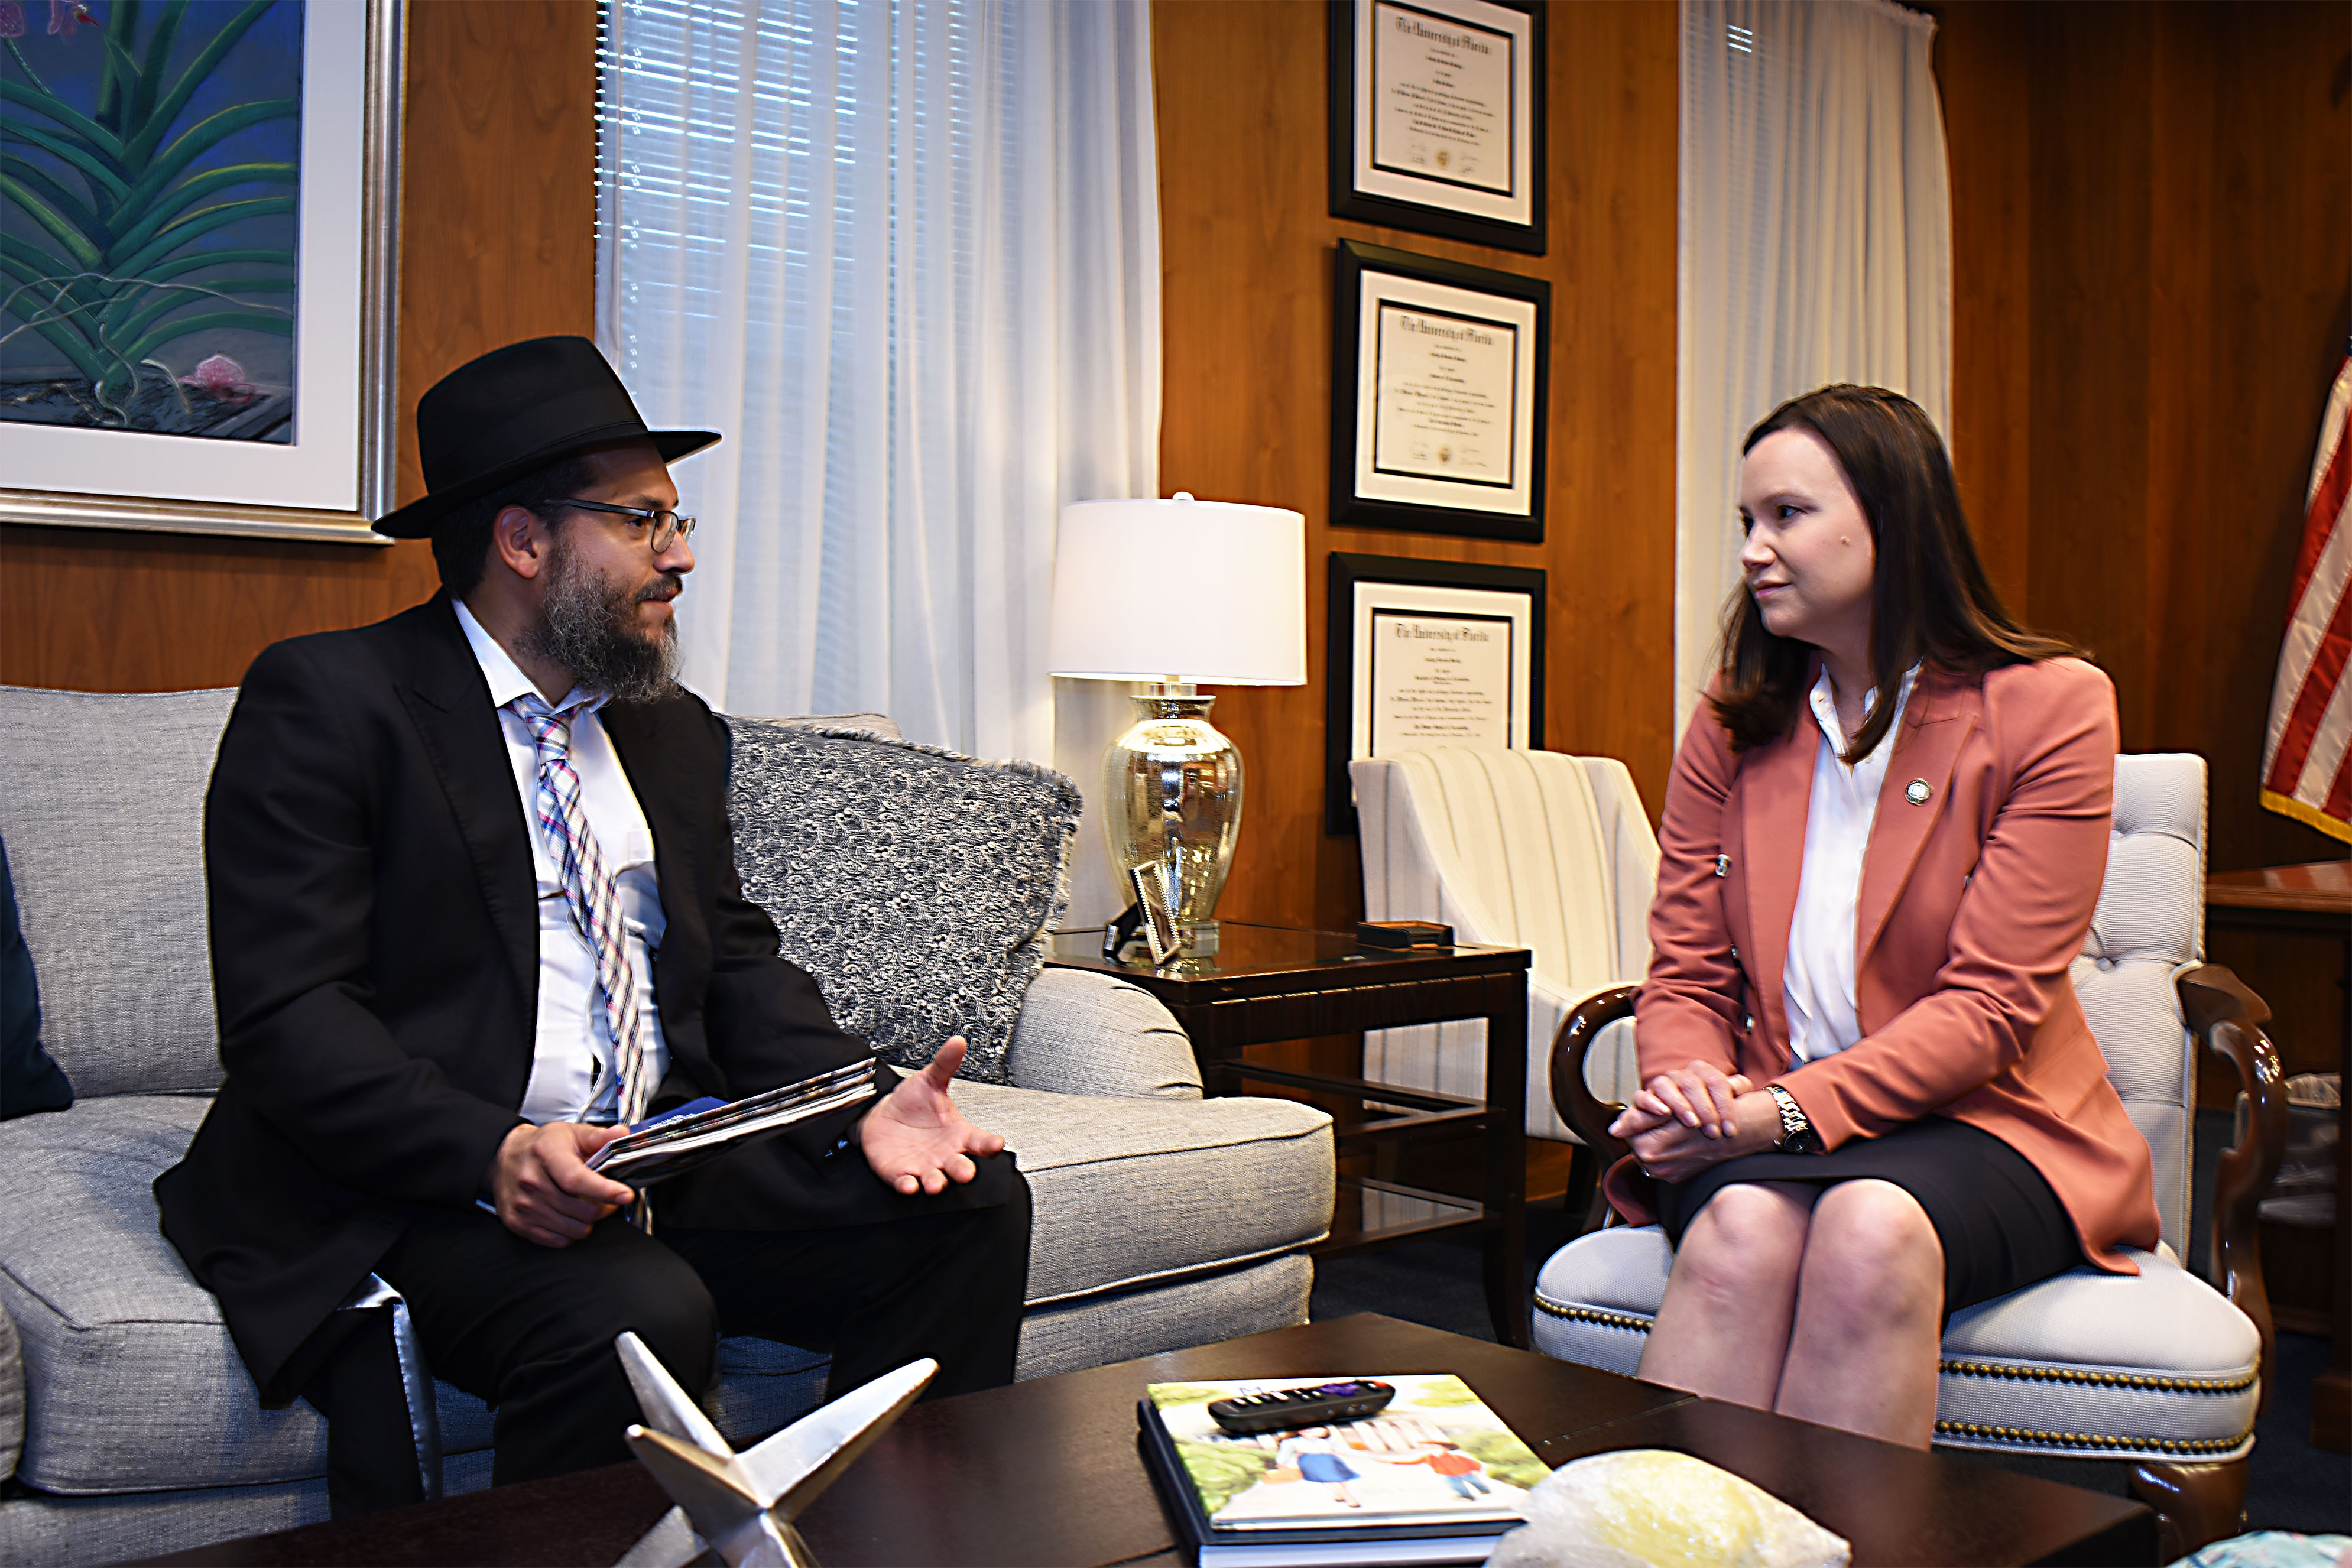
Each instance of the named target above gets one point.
<point>701,1130</point>
<point>1433,1477</point>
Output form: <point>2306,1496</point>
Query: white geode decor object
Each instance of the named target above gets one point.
<point>740,1507</point>
<point>1652,1507</point>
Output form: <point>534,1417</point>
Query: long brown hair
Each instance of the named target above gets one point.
<point>1929,599</point>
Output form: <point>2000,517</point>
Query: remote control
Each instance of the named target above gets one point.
<point>1317,1406</point>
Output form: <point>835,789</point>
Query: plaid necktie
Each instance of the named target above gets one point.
<point>589,890</point>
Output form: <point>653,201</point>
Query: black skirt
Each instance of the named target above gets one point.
<point>2001,1227</point>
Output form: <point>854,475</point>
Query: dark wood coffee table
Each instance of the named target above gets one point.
<point>1046,1473</point>
<point>1266,984</point>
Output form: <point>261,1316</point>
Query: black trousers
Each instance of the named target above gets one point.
<point>529,1329</point>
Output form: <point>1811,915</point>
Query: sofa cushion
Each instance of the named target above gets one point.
<point>917,885</point>
<point>1135,1191</point>
<point>1070,1336</point>
<point>12,1395</point>
<point>132,1381</point>
<point>101,806</point>
<point>29,1081</point>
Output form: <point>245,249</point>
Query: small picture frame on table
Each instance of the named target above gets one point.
<point>1428,652</point>
<point>1439,387</point>
<point>1437,118</point>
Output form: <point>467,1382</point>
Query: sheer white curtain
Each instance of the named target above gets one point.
<point>1815,247</point>
<point>906,254</point>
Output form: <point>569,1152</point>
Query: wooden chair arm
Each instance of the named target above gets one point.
<point>1574,1099</point>
<point>2228,1016</point>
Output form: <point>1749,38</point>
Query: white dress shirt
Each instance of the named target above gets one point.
<point>572,1070</point>
<point>1817,983</point>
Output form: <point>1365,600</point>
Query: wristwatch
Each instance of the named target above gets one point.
<point>1797,1134</point>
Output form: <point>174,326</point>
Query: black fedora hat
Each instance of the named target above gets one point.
<point>516,409</point>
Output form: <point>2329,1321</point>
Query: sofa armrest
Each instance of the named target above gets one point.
<point>1082,1033</point>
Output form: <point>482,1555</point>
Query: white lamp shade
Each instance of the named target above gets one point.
<point>1209,592</point>
<point>1203,591</point>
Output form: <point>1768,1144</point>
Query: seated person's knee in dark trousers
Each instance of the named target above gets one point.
<point>529,1328</point>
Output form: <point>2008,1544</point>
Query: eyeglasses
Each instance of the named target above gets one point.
<point>667,528</point>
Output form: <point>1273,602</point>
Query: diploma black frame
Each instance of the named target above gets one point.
<point>1362,267</point>
<point>1511,585</point>
<point>1434,207</point>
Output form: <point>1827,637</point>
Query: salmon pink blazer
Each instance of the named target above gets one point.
<point>1973,902</point>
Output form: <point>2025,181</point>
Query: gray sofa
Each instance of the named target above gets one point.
<point>128,1424</point>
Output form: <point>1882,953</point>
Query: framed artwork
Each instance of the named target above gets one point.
<point>1429,653</point>
<point>197,211</point>
<point>1439,386</point>
<point>1437,118</point>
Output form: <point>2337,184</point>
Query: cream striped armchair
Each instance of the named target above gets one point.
<point>1520,849</point>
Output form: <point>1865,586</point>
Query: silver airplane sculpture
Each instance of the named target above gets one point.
<point>740,1507</point>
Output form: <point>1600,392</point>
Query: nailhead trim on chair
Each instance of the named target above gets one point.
<point>1964,1368</point>
<point>2104,1379</point>
<point>2090,1440</point>
<point>1594,1315</point>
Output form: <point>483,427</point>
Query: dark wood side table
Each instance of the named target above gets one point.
<point>1269,983</point>
<point>2313,900</point>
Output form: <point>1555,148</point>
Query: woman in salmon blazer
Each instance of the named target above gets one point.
<point>1869,1095</point>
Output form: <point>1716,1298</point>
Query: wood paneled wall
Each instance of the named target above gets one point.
<point>2152,286</point>
<point>1247,256</point>
<point>496,244</point>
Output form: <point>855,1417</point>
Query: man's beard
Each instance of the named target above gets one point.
<point>590,626</point>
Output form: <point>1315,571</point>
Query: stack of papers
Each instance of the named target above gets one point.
<point>702,1129</point>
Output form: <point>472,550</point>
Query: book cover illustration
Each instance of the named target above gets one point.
<point>1435,1455</point>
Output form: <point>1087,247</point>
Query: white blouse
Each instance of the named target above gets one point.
<point>1817,984</point>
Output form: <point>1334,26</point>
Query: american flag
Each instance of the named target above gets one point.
<point>2307,763</point>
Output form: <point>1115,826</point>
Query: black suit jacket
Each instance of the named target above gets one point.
<point>375,964</point>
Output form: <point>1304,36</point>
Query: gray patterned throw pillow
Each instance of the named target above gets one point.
<point>917,885</point>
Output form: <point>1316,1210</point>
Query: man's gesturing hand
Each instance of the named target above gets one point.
<point>543,1188</point>
<point>915,1139</point>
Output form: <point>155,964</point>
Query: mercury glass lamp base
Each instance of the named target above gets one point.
<point>1172,801</point>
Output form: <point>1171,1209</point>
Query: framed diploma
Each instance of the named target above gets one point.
<point>1438,388</point>
<point>1437,118</point>
<point>1429,653</point>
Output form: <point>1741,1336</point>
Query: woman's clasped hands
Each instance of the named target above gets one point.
<point>1679,1123</point>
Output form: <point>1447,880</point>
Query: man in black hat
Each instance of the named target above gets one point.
<point>473,907</point>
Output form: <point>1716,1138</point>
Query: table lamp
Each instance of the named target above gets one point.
<point>1181,593</point>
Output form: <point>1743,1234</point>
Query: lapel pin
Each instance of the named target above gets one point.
<point>1916,791</point>
<point>1723,865</point>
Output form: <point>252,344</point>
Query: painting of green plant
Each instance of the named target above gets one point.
<point>150,168</point>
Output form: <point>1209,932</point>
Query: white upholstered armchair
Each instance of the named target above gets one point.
<point>1520,849</point>
<point>2159,1370</point>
